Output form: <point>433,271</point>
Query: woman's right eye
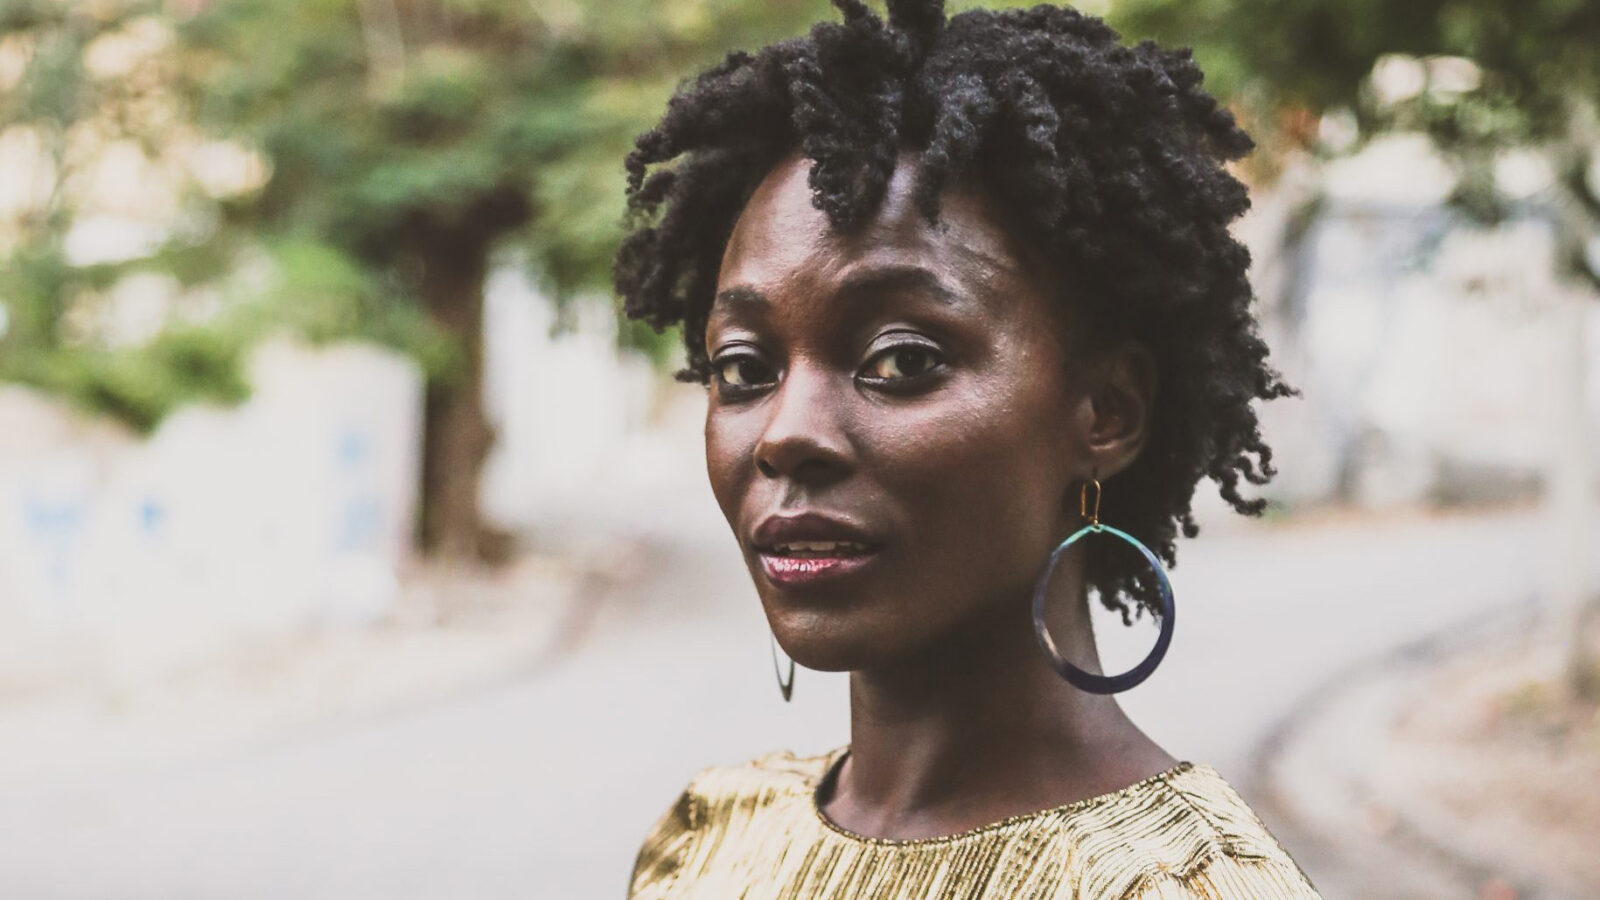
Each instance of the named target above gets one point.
<point>741,372</point>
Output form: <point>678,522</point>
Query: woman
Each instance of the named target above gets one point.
<point>947,282</point>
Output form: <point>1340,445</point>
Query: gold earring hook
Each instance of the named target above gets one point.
<point>1083,501</point>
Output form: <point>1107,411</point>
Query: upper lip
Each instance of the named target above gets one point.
<point>776,530</point>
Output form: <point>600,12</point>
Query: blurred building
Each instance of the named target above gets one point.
<point>1431,351</point>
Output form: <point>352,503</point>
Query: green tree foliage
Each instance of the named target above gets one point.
<point>81,83</point>
<point>1493,76</point>
<point>49,104</point>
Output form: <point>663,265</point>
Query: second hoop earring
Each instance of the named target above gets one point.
<point>1088,681</point>
<point>785,687</point>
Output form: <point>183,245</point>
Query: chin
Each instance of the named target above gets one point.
<point>829,656</point>
<point>853,624</point>
<point>835,640</point>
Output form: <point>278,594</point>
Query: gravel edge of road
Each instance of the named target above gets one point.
<point>1312,787</point>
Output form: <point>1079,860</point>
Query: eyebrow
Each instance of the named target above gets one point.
<point>858,281</point>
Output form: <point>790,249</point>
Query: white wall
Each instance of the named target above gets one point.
<point>587,436</point>
<point>293,508</point>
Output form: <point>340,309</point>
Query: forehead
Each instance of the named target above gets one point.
<point>780,236</point>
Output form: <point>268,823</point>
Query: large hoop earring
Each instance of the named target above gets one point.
<point>784,687</point>
<point>1088,681</point>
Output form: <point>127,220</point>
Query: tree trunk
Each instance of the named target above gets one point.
<point>456,432</point>
<point>1570,486</point>
<point>1569,502</point>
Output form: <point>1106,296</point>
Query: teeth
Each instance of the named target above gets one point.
<point>796,548</point>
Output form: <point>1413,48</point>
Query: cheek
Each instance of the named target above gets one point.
<point>729,444</point>
<point>982,481</point>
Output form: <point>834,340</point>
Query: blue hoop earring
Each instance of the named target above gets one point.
<point>1088,681</point>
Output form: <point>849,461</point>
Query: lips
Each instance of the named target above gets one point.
<point>811,547</point>
<point>812,532</point>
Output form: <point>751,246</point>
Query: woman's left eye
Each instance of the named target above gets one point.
<point>902,362</point>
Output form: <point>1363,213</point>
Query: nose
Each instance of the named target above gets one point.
<point>804,439</point>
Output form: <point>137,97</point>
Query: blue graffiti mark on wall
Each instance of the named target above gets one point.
<point>56,524</point>
<point>361,524</point>
<point>152,516</point>
<point>361,518</point>
<point>57,519</point>
<point>355,448</point>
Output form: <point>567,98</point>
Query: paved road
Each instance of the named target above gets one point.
<point>543,787</point>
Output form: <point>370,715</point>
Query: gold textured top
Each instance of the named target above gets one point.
<point>755,832</point>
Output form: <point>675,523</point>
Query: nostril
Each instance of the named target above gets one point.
<point>766,468</point>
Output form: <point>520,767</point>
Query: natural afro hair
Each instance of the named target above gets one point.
<point>1111,157</point>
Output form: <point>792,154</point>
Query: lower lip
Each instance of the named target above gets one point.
<point>811,569</point>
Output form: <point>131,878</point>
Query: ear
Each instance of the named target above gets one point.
<point>1120,402</point>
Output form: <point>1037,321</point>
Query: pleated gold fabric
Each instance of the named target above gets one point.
<point>754,832</point>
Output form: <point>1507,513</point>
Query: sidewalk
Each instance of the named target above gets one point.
<point>122,705</point>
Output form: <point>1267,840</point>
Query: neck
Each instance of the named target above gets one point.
<point>981,724</point>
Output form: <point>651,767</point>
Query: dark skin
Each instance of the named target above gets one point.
<point>925,382</point>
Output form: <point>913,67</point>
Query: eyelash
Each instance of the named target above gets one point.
<point>887,384</point>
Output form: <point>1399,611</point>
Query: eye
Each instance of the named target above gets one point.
<point>741,371</point>
<point>902,362</point>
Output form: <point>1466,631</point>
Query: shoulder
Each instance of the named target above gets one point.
<point>1194,837</point>
<point>709,798</point>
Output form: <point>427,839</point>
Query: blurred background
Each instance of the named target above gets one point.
<point>351,546</point>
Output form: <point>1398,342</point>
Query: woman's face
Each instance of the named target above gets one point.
<point>906,387</point>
